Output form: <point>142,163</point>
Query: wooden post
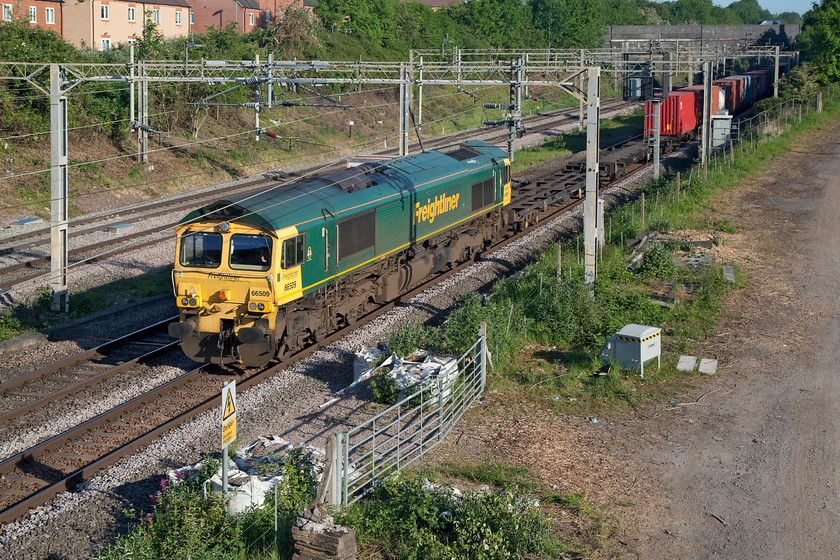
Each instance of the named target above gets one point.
<point>678,186</point>
<point>559,262</point>
<point>642,214</point>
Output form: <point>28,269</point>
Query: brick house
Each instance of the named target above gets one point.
<point>246,14</point>
<point>102,24</point>
<point>43,13</point>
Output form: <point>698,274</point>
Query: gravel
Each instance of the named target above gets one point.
<point>77,524</point>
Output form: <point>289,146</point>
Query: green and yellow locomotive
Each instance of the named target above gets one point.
<point>260,276</point>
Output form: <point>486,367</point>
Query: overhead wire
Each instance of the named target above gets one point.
<point>188,142</point>
<point>279,185</point>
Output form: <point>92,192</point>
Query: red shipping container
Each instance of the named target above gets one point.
<point>698,100</point>
<point>765,78</point>
<point>677,114</point>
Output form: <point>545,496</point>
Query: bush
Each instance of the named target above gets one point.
<point>659,262</point>
<point>407,522</point>
<point>384,389</point>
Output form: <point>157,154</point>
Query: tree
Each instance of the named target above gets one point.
<point>691,12</point>
<point>291,34</point>
<point>369,19</point>
<point>570,23</point>
<point>502,23</point>
<point>748,11</point>
<point>820,39</point>
<point>789,17</point>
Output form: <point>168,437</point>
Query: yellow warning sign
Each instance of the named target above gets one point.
<point>229,432</point>
<point>230,407</point>
<point>228,413</point>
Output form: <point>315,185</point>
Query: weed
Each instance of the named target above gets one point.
<point>409,338</point>
<point>725,226</point>
<point>384,389</point>
<point>574,502</point>
<point>498,475</point>
<point>410,522</point>
<point>659,262</point>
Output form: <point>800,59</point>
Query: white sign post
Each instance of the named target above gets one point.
<point>228,427</point>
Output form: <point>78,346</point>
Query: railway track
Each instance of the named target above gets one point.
<point>35,263</point>
<point>36,475</point>
<point>61,379</point>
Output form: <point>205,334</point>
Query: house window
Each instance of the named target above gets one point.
<point>267,16</point>
<point>105,43</point>
<point>192,18</point>
<point>103,10</point>
<point>251,18</point>
<point>33,14</point>
<point>177,17</point>
<point>7,12</point>
<point>49,16</point>
<point>155,16</point>
<point>131,14</point>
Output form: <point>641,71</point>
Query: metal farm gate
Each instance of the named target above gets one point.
<point>358,459</point>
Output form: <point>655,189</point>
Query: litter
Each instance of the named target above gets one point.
<point>594,420</point>
<point>248,482</point>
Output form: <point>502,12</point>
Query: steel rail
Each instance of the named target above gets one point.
<point>168,206</point>
<point>77,359</point>
<point>42,496</point>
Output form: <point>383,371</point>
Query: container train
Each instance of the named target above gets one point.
<point>259,276</point>
<point>681,110</point>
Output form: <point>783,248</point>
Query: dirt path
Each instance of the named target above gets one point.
<point>750,471</point>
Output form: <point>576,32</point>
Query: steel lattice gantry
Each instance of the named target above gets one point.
<point>568,70</point>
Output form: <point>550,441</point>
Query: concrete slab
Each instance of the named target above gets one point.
<point>686,363</point>
<point>24,341</point>
<point>708,366</point>
<point>729,273</point>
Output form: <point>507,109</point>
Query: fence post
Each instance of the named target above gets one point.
<point>327,490</point>
<point>482,340</point>
<point>440,408</point>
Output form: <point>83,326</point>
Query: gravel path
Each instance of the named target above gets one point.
<point>77,524</point>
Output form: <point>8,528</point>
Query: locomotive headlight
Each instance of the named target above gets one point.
<point>261,307</point>
<point>193,302</point>
<point>224,227</point>
<point>252,306</point>
<point>185,302</point>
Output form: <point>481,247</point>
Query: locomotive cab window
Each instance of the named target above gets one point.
<point>483,193</point>
<point>202,249</point>
<point>250,252</point>
<point>294,251</point>
<point>506,175</point>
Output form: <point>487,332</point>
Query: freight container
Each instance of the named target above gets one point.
<point>765,83</point>
<point>749,90</point>
<point>734,88</point>
<point>677,114</point>
<point>718,101</point>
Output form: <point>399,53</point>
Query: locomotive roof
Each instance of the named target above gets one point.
<point>345,191</point>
